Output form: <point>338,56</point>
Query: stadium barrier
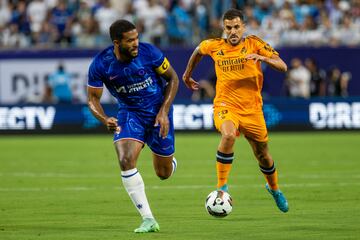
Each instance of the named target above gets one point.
<point>23,74</point>
<point>281,114</point>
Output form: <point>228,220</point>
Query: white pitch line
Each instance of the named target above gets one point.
<point>91,176</point>
<point>158,187</point>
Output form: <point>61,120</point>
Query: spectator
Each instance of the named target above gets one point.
<point>46,37</point>
<point>37,11</point>
<point>337,82</point>
<point>61,18</point>
<point>20,17</point>
<point>153,18</point>
<point>90,35</point>
<point>348,33</point>
<point>106,15</point>
<point>262,10</point>
<point>179,25</point>
<point>201,24</point>
<point>84,11</point>
<point>206,88</point>
<point>58,88</point>
<point>298,79</point>
<point>5,13</point>
<point>317,80</point>
<point>11,37</point>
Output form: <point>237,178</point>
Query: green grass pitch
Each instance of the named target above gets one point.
<point>69,187</point>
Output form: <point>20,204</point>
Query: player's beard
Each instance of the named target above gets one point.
<point>129,53</point>
<point>234,40</point>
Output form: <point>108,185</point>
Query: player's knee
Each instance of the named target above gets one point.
<point>229,138</point>
<point>126,162</point>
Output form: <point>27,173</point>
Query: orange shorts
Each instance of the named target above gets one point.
<point>253,126</point>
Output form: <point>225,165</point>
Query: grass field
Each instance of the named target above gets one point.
<point>69,187</point>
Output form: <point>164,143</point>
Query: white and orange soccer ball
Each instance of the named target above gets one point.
<point>218,203</point>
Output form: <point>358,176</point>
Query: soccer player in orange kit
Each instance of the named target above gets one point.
<point>238,101</point>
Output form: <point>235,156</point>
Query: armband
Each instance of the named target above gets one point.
<point>163,67</point>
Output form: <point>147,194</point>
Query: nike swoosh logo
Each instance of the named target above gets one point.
<point>113,77</point>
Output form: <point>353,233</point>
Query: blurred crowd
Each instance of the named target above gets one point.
<point>306,79</point>
<point>85,23</point>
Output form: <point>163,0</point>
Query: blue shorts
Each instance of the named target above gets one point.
<point>141,128</point>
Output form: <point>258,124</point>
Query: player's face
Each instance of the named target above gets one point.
<point>234,30</point>
<point>129,44</point>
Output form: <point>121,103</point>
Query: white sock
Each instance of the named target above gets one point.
<point>174,164</point>
<point>135,187</point>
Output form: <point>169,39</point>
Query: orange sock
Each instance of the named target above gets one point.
<point>271,177</point>
<point>222,171</point>
<point>223,167</point>
<point>272,180</point>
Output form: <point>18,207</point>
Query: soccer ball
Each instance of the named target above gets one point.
<point>218,204</point>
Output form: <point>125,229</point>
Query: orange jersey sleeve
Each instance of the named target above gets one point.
<point>239,81</point>
<point>263,48</point>
<point>208,46</point>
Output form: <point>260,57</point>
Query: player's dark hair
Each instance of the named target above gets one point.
<point>119,27</point>
<point>233,13</point>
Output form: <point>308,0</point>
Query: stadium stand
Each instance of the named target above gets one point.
<point>84,23</point>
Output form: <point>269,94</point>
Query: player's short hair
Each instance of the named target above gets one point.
<point>119,27</point>
<point>233,13</point>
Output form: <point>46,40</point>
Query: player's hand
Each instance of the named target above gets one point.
<point>111,124</point>
<point>162,119</point>
<point>190,82</point>
<point>255,57</point>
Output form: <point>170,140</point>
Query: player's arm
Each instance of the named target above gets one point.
<point>167,72</point>
<point>195,58</point>
<point>94,96</point>
<point>172,80</point>
<point>274,61</point>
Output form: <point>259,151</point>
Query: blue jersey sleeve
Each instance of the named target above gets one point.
<point>95,77</point>
<point>157,56</point>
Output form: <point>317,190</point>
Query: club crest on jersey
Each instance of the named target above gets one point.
<point>220,53</point>
<point>141,72</point>
<point>222,114</point>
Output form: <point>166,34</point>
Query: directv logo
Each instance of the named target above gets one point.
<point>18,118</point>
<point>335,115</point>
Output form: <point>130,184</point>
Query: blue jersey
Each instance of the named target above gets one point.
<point>136,84</point>
<point>60,83</point>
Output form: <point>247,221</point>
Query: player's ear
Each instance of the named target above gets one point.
<point>116,42</point>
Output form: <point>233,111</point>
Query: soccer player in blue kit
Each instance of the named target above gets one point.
<point>144,83</point>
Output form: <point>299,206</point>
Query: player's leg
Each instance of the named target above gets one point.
<point>128,152</point>
<point>163,150</point>
<point>266,163</point>
<point>164,166</point>
<point>254,128</point>
<point>225,153</point>
<point>267,167</point>
<point>226,122</point>
<point>128,144</point>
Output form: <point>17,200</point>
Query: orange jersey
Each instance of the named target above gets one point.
<point>239,81</point>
